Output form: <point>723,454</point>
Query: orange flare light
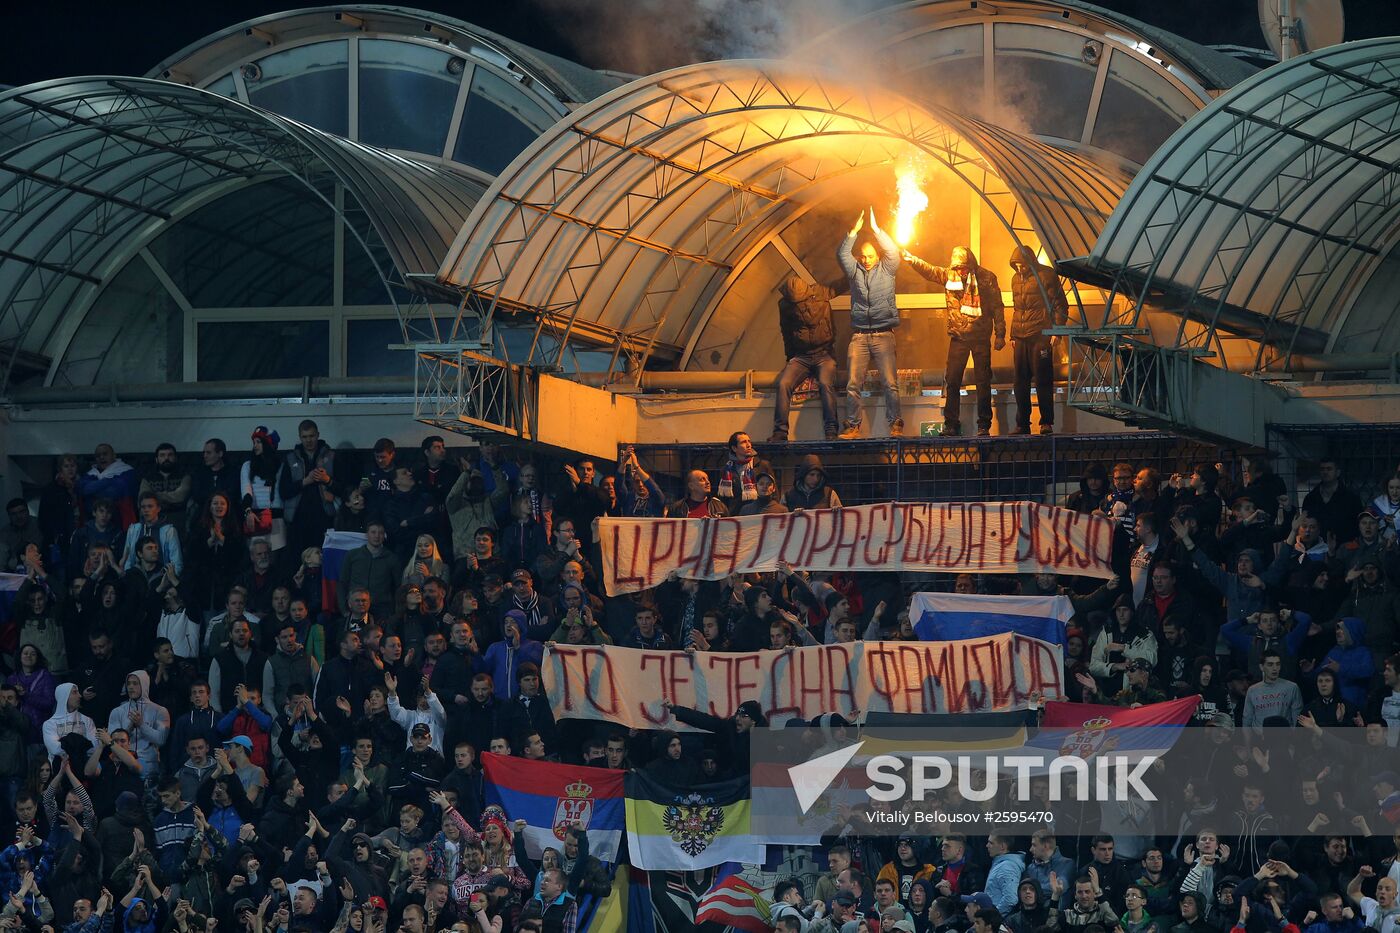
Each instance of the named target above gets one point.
<point>909,180</point>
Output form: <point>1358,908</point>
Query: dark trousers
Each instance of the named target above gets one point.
<point>1032,360</point>
<point>821,366</point>
<point>958,351</point>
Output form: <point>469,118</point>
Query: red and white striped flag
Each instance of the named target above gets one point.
<point>736,903</point>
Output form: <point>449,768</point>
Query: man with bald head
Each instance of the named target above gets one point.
<point>697,503</point>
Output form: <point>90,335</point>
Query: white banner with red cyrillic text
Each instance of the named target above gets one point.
<point>953,537</point>
<point>628,686</point>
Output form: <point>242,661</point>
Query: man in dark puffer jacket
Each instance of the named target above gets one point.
<point>1038,302</point>
<point>809,339</point>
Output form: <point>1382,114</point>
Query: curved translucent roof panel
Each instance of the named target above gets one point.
<point>638,219</point>
<point>1070,73</point>
<point>1275,211</point>
<point>397,78</point>
<point>95,170</point>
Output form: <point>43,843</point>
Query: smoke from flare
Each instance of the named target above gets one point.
<point>912,201</point>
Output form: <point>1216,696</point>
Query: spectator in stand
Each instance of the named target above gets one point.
<point>1333,504</point>
<point>309,488</point>
<point>738,478</point>
<point>1374,600</point>
<point>810,490</point>
<point>215,474</point>
<point>1093,488</point>
<point>111,478</point>
<point>640,496</point>
<point>1261,483</point>
<point>101,530</point>
<point>697,502</point>
<point>60,512</point>
<point>171,484</point>
<point>372,567</point>
<point>1273,696</point>
<point>870,274</point>
<point>408,512</point>
<point>523,540</point>
<point>216,552</point>
<point>260,502</point>
<point>470,507</point>
<point>1386,506</point>
<point>378,483</point>
<point>153,525</point>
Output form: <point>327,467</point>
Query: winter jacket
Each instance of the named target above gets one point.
<point>1379,608</point>
<point>804,317</point>
<point>681,508</point>
<point>970,316</point>
<point>15,732</point>
<point>1062,867</point>
<point>1003,878</point>
<point>800,497</point>
<point>872,292</point>
<point>1354,664</point>
<point>172,490</point>
<point>408,515</point>
<point>1029,293</point>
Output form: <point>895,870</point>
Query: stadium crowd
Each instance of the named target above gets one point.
<point>196,731</point>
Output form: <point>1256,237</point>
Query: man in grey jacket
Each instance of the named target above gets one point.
<point>874,318</point>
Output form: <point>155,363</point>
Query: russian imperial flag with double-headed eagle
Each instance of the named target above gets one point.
<point>551,797</point>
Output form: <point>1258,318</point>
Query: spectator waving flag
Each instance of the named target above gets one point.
<point>551,797</point>
<point>733,902</point>
<point>685,828</point>
<point>333,550</point>
<point>955,617</point>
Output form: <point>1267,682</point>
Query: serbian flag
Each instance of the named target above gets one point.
<point>333,550</point>
<point>734,902</point>
<point>549,797</point>
<point>957,617</point>
<point>1083,730</point>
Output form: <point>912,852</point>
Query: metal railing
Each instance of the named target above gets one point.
<point>1043,469</point>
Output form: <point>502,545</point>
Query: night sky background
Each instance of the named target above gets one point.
<point>60,39</point>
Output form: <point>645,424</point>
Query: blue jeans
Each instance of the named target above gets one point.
<point>867,349</point>
<point>822,367</point>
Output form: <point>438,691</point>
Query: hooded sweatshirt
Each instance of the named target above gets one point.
<point>146,739</point>
<point>1003,878</point>
<point>62,722</point>
<point>800,497</point>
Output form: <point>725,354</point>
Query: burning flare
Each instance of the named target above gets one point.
<point>909,180</point>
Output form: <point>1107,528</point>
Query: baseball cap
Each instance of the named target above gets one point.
<point>907,926</point>
<point>520,573</point>
<point>242,740</point>
<point>847,899</point>
<point>243,904</point>
<point>1386,777</point>
<point>981,899</point>
<point>1139,664</point>
<point>375,902</point>
<point>420,728</point>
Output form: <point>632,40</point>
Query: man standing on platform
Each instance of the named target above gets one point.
<point>874,317</point>
<point>975,314</point>
<point>1037,302</point>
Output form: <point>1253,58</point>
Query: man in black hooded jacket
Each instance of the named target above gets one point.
<point>809,339</point>
<point>1038,302</point>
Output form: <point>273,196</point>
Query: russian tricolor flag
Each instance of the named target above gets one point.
<point>549,797</point>
<point>955,617</point>
<point>333,550</point>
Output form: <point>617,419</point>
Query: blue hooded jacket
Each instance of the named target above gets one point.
<point>1354,664</point>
